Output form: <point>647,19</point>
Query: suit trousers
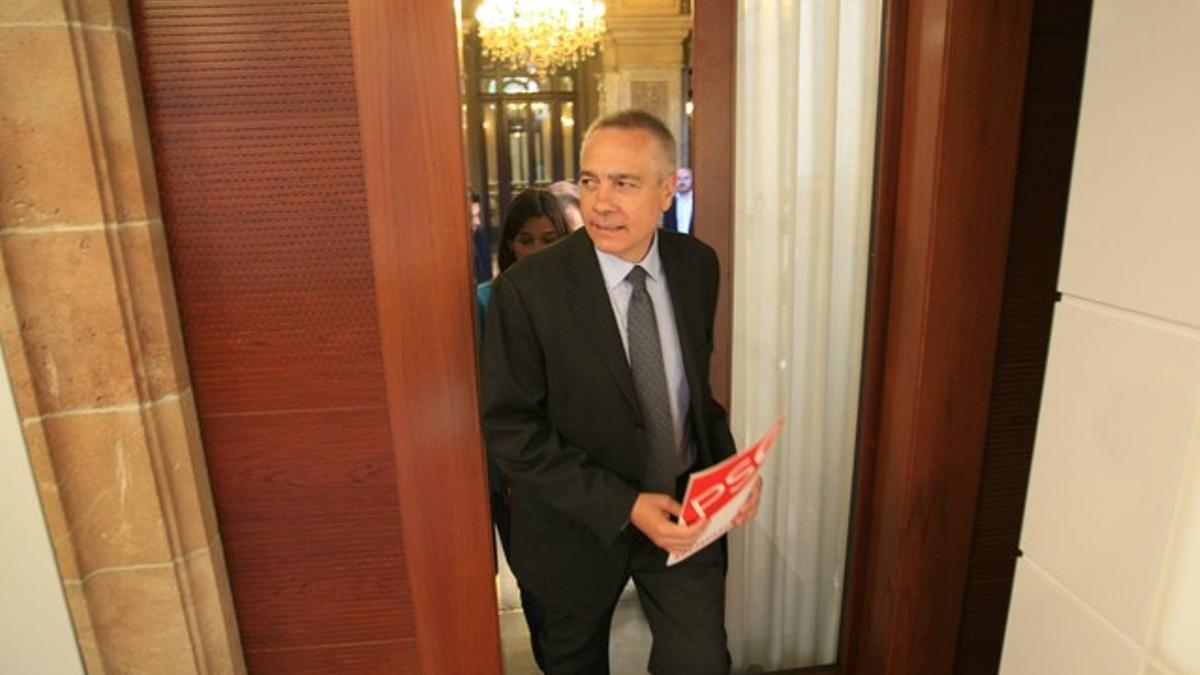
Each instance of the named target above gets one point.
<point>531,607</point>
<point>684,605</point>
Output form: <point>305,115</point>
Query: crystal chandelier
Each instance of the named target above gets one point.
<point>540,35</point>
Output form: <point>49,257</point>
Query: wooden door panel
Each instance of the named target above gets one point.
<point>253,115</point>
<point>417,199</point>
<point>371,657</point>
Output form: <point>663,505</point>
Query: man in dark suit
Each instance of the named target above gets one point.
<point>678,217</point>
<point>596,404</point>
<point>481,243</point>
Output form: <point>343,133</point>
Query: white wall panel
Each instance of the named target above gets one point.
<point>1118,409</point>
<point>1133,222</point>
<point>1049,632</point>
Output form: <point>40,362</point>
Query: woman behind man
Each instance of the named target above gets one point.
<point>535,220</point>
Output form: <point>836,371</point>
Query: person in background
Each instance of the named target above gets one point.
<point>535,220</point>
<point>481,242</point>
<point>568,197</point>
<point>679,216</point>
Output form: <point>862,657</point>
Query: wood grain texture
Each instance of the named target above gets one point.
<point>387,656</point>
<point>714,55</point>
<point>417,200</point>
<point>1053,89</point>
<point>313,534</point>
<point>964,79</point>
<point>253,116</point>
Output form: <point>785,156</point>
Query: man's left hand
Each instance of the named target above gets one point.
<point>750,508</point>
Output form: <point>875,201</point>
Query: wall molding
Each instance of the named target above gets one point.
<point>95,353</point>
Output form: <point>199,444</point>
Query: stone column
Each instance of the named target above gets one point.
<point>91,336</point>
<point>643,60</point>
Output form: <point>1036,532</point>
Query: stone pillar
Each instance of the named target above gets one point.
<point>91,336</point>
<point>643,60</point>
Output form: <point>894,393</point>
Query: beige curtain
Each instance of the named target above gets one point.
<point>807,75</point>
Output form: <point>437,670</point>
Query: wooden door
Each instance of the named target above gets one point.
<point>316,216</point>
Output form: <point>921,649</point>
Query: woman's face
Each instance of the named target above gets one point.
<point>534,235</point>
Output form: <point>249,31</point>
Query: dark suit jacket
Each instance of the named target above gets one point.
<point>560,413</point>
<point>481,241</point>
<point>671,217</point>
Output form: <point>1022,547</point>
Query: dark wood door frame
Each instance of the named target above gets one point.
<point>408,98</point>
<point>951,95</point>
<point>714,56</point>
<point>959,131</point>
<point>951,99</point>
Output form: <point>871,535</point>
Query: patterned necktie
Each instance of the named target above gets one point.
<point>650,381</point>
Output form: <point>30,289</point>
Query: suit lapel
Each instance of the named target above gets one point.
<point>592,311</point>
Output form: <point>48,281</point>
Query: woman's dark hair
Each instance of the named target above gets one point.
<point>529,204</point>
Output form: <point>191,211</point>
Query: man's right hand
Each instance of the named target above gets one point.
<point>652,513</point>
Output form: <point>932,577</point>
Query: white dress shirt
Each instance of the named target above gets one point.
<point>683,211</point>
<point>619,292</point>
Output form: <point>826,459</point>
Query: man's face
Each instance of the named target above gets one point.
<point>683,181</point>
<point>625,186</point>
<point>475,223</point>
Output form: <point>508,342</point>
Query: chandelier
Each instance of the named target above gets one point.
<point>540,35</point>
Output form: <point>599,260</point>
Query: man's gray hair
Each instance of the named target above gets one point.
<point>639,119</point>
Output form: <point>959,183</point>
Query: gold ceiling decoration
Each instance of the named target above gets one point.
<point>540,35</point>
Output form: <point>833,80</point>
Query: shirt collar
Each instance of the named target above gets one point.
<point>616,269</point>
